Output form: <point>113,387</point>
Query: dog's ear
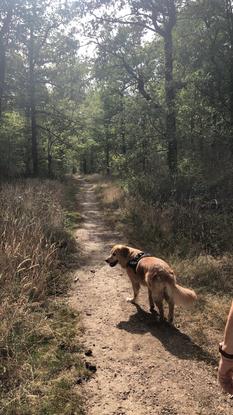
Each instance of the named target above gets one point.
<point>124,251</point>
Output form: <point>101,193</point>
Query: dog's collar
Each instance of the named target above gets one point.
<point>134,262</point>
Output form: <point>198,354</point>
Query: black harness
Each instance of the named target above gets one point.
<point>134,262</point>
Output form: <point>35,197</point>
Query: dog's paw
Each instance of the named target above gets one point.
<point>131,300</point>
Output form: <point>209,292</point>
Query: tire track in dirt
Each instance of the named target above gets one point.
<point>143,367</point>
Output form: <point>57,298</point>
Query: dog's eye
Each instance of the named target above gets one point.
<point>114,254</point>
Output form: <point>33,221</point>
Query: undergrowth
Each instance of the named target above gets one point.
<point>39,350</point>
<point>194,240</point>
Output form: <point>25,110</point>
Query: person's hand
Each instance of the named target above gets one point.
<point>225,374</point>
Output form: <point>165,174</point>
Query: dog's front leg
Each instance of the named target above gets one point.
<point>136,288</point>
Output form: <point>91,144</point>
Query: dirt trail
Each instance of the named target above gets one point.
<point>143,367</point>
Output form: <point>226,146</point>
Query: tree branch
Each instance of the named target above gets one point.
<point>124,22</point>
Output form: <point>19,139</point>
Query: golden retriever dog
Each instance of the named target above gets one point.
<point>155,274</point>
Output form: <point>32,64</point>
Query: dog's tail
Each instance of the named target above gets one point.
<point>183,296</point>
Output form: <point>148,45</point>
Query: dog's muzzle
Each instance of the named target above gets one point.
<point>112,264</point>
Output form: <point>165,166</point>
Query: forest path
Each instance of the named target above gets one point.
<point>143,367</point>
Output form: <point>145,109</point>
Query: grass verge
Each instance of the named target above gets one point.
<point>40,354</point>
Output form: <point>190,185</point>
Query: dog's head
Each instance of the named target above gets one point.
<point>119,254</point>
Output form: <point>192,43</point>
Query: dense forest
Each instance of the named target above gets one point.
<point>135,98</point>
<point>141,91</point>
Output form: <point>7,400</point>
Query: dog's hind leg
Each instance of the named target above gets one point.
<point>171,310</point>
<point>171,305</point>
<point>159,304</point>
<point>158,296</point>
<point>151,301</point>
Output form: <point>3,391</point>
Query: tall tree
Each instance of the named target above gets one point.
<point>6,14</point>
<point>157,17</point>
<point>41,40</point>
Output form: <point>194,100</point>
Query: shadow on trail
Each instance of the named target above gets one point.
<point>173,340</point>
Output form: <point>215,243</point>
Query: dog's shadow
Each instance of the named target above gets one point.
<point>173,340</point>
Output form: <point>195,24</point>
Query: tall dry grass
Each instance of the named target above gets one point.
<point>29,213</point>
<point>33,248</point>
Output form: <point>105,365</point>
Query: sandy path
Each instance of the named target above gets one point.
<point>143,367</point>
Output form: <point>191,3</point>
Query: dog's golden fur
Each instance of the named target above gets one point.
<point>157,275</point>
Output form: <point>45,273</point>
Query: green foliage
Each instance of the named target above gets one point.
<point>40,79</point>
<point>109,112</point>
<point>188,214</point>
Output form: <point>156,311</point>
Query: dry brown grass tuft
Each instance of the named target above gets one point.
<point>211,278</point>
<point>34,248</point>
<point>208,273</point>
<point>110,195</point>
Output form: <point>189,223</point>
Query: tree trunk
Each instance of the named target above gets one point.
<point>49,157</point>
<point>107,149</point>
<point>49,165</point>
<point>32,100</point>
<point>2,73</point>
<point>229,15</point>
<point>168,10</point>
<point>231,103</point>
<point>122,124</point>
<point>170,104</point>
<point>84,165</point>
<point>4,34</point>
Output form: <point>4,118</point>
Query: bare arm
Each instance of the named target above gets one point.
<point>225,370</point>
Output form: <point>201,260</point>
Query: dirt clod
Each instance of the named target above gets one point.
<point>91,367</point>
<point>81,379</point>
<point>89,352</point>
